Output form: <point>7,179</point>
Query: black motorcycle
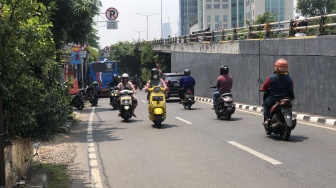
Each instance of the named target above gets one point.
<point>83,94</point>
<point>93,96</point>
<point>114,97</point>
<point>281,121</point>
<point>77,101</point>
<point>225,106</point>
<point>188,99</point>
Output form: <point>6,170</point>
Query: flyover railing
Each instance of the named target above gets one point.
<point>250,31</point>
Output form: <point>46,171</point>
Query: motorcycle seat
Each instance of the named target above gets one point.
<point>226,95</point>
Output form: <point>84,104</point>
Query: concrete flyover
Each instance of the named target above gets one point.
<point>312,65</point>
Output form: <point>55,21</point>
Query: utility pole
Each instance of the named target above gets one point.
<point>161,21</point>
<point>147,15</point>
<point>139,34</point>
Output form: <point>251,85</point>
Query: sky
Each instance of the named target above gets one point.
<point>130,23</point>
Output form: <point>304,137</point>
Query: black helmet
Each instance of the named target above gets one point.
<point>154,71</point>
<point>187,72</point>
<point>224,69</point>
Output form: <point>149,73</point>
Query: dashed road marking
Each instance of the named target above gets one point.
<point>183,120</point>
<point>143,101</point>
<point>253,152</point>
<point>93,164</point>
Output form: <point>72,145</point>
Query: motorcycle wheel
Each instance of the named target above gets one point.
<point>158,121</point>
<point>285,135</point>
<point>189,105</point>
<point>268,132</point>
<point>228,117</point>
<point>80,106</point>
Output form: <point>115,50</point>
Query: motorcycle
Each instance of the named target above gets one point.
<point>225,106</point>
<point>281,121</point>
<point>157,105</point>
<point>188,99</point>
<point>114,97</point>
<point>77,101</point>
<point>141,85</point>
<point>125,109</point>
<point>83,94</point>
<point>93,96</point>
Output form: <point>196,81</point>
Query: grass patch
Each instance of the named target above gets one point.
<point>58,175</point>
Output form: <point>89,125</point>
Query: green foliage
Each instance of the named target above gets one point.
<point>34,104</point>
<point>59,176</point>
<point>267,17</point>
<point>147,60</point>
<point>93,39</point>
<point>315,7</point>
<point>94,55</point>
<point>127,55</point>
<point>72,19</point>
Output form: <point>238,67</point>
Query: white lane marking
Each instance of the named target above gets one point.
<point>93,164</point>
<point>183,120</point>
<point>314,125</point>
<point>319,126</point>
<point>253,152</point>
<point>143,101</point>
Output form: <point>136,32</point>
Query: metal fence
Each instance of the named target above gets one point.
<point>247,32</point>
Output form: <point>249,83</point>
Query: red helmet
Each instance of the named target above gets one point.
<point>281,66</point>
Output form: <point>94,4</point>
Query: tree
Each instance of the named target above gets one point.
<point>267,17</point>
<point>94,55</point>
<point>127,55</point>
<point>315,7</point>
<point>34,104</point>
<point>72,19</point>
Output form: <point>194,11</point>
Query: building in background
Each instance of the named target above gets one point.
<point>166,30</point>
<point>283,9</point>
<point>188,15</point>
<point>225,14</point>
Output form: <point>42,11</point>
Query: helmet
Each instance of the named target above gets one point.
<point>187,72</point>
<point>224,69</point>
<point>115,77</point>
<point>125,75</point>
<point>154,71</point>
<point>281,66</point>
<point>95,83</point>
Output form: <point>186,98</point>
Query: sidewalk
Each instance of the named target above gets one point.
<point>298,115</point>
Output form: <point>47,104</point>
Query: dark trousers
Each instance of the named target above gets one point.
<point>268,104</point>
<point>182,91</point>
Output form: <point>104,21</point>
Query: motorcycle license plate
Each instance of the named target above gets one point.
<point>189,96</point>
<point>229,108</point>
<point>176,84</point>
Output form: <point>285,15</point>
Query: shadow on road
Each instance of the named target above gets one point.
<point>103,135</point>
<point>292,138</point>
<point>165,126</point>
<point>78,179</point>
<point>232,119</point>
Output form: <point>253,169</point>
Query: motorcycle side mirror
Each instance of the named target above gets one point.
<point>260,81</point>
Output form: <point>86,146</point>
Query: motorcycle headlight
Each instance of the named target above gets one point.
<point>125,101</point>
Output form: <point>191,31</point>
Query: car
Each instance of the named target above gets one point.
<point>172,81</point>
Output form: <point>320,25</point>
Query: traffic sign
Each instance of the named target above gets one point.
<point>111,13</point>
<point>112,25</point>
<point>107,49</point>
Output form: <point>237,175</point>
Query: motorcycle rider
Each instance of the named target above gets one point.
<point>224,84</point>
<point>126,84</point>
<point>187,82</point>
<point>155,80</point>
<point>93,86</point>
<point>115,81</point>
<point>279,85</point>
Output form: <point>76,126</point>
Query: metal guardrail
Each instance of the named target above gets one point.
<point>234,33</point>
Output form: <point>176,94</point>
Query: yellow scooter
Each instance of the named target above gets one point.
<point>157,105</point>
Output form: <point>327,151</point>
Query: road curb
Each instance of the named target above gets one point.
<point>39,179</point>
<point>298,116</point>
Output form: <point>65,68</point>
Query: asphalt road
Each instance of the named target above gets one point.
<point>195,149</point>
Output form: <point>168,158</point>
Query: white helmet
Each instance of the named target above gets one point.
<point>125,75</point>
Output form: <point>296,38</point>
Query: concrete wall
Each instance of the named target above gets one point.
<point>312,62</point>
<point>18,158</point>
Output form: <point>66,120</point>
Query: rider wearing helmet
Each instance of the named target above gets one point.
<point>277,86</point>
<point>224,84</point>
<point>126,84</point>
<point>187,82</point>
<point>115,81</point>
<point>155,80</point>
